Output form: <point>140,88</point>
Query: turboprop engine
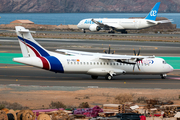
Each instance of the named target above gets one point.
<point>94,28</point>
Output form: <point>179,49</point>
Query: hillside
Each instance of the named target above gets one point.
<point>64,6</point>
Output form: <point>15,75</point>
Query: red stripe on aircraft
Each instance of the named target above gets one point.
<point>33,49</point>
<point>45,63</point>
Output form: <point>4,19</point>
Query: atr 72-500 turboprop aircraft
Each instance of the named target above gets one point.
<point>114,24</point>
<point>94,64</point>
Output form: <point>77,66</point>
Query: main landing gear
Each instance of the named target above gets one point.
<point>111,31</point>
<point>163,76</point>
<point>124,32</point>
<point>94,77</point>
<point>108,77</point>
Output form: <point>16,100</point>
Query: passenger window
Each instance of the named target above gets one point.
<point>87,63</point>
<point>94,63</point>
<point>74,62</point>
<point>104,63</point>
<point>101,63</point>
<point>97,63</point>
<point>71,62</point>
<point>91,63</point>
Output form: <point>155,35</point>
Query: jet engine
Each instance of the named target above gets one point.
<point>94,28</point>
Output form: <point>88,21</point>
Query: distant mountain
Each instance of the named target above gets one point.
<point>68,6</point>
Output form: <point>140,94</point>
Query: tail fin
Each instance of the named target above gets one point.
<point>153,13</point>
<point>29,47</point>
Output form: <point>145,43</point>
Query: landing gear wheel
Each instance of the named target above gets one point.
<point>94,77</point>
<point>124,32</point>
<point>163,76</point>
<point>111,31</point>
<point>108,77</point>
<point>84,31</point>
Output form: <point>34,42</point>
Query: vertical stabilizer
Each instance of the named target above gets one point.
<point>29,47</point>
<point>153,13</point>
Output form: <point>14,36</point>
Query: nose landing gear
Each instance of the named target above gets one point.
<point>163,76</point>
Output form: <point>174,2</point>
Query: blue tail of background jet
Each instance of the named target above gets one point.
<point>153,13</point>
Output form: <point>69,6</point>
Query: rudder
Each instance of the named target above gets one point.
<point>153,13</point>
<point>29,47</point>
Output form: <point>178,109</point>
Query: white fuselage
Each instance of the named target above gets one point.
<point>118,24</point>
<point>94,66</point>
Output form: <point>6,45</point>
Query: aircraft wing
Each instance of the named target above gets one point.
<point>123,57</point>
<point>100,24</point>
<point>74,52</point>
<point>107,26</point>
<point>104,56</point>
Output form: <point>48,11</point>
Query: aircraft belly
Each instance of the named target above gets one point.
<point>105,71</point>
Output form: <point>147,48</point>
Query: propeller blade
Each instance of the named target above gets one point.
<point>109,50</point>
<point>133,67</point>
<point>138,52</point>
<point>134,52</point>
<point>138,66</point>
<point>104,51</point>
<point>113,52</point>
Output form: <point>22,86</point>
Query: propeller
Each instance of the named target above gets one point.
<point>137,59</point>
<point>109,51</point>
<point>138,52</point>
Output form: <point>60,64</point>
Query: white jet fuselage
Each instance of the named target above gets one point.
<point>118,24</point>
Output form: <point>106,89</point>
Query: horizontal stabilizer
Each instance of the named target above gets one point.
<point>165,21</point>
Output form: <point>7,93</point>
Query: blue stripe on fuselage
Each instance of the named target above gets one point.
<point>55,64</point>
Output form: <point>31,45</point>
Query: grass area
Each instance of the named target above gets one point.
<point>6,58</point>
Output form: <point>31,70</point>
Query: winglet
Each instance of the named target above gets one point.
<point>153,13</point>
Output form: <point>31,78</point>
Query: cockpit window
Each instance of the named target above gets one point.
<point>164,62</point>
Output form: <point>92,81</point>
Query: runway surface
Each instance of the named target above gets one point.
<point>101,33</point>
<point>11,45</point>
<point>26,75</point>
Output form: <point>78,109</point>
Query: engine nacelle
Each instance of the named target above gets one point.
<point>94,28</point>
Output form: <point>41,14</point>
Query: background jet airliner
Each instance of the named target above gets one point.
<point>114,24</point>
<point>94,64</point>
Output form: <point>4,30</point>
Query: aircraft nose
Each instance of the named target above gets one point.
<point>171,68</point>
<point>79,25</point>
